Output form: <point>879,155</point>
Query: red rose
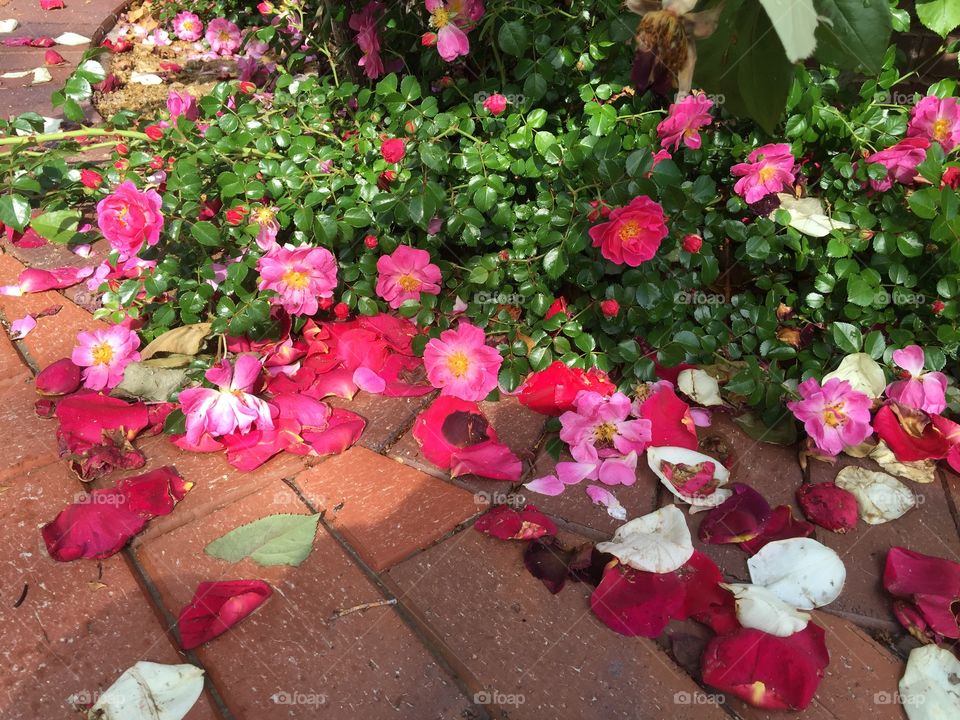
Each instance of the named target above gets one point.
<point>393,150</point>
<point>553,391</point>
<point>633,234</point>
<point>610,308</point>
<point>951,177</point>
<point>495,104</point>
<point>371,241</point>
<point>154,132</point>
<point>692,243</point>
<point>91,179</point>
<point>341,311</point>
<point>558,306</point>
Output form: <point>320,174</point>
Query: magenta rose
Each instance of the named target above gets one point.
<point>129,217</point>
<point>632,234</point>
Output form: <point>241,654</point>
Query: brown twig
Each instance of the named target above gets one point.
<point>343,612</point>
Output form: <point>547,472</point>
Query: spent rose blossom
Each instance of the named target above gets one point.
<point>450,20</point>
<point>223,36</point>
<point>937,120</point>
<point>265,216</point>
<point>182,104</point>
<point>228,408</point>
<point>104,354</point>
<point>461,363</point>
<point>683,122</point>
<point>364,23</point>
<point>300,275</point>
<point>920,390</point>
<point>835,415</point>
<point>405,274</point>
<point>632,233</point>
<point>495,104</point>
<point>769,169</point>
<point>187,26</point>
<point>128,218</point>
<point>901,162</point>
<point>393,150</point>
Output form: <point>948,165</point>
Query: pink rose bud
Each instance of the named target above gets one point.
<point>610,308</point>
<point>692,243</point>
<point>495,104</point>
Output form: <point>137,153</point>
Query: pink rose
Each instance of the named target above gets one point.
<point>130,217</point>
<point>633,234</point>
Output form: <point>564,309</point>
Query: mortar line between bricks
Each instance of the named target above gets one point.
<point>408,618</point>
<point>153,597</point>
<point>951,504</point>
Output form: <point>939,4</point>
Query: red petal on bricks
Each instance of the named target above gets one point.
<point>774,673</point>
<point>909,433</point>
<point>633,602</point>
<point>737,519</point>
<point>670,416</point>
<point>552,391</point>
<point>102,522</point>
<point>448,425</point>
<point>59,378</point>
<point>828,506</point>
<point>488,459</point>
<point>43,42</point>
<point>207,443</point>
<point>781,525</point>
<point>34,280</point>
<point>250,450</point>
<point>51,4</point>
<point>932,583</point>
<point>218,606</point>
<point>52,57</point>
<point>95,433</point>
<point>505,523</point>
<point>343,430</point>
<point>29,238</point>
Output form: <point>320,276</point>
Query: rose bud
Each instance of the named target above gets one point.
<point>341,310</point>
<point>610,308</point>
<point>91,179</point>
<point>495,104</point>
<point>937,306</point>
<point>692,243</point>
<point>371,241</point>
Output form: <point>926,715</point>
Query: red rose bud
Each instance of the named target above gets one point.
<point>386,177</point>
<point>90,179</point>
<point>122,149</point>
<point>371,241</point>
<point>428,39</point>
<point>52,57</point>
<point>341,311</point>
<point>495,104</point>
<point>610,308</point>
<point>120,164</point>
<point>325,303</point>
<point>951,177</point>
<point>558,306</point>
<point>235,216</point>
<point>59,378</point>
<point>393,150</point>
<point>692,243</point>
<point>247,87</point>
<point>410,126</point>
<point>154,132</point>
<point>937,306</point>
<point>265,8</point>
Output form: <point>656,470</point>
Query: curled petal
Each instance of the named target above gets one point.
<point>505,523</point>
<point>218,606</point>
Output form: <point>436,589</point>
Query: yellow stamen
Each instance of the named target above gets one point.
<point>408,282</point>
<point>458,364</point>
<point>440,18</point>
<point>767,172</point>
<point>296,280</point>
<point>263,215</point>
<point>605,432</point>
<point>629,231</point>
<point>940,128</point>
<point>102,354</point>
<point>833,415</point>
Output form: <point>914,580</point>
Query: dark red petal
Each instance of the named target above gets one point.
<point>87,416</point>
<point>932,583</point>
<point>701,580</point>
<point>914,622</point>
<point>97,527</point>
<point>909,433</point>
<point>775,673</point>
<point>154,493</point>
<point>59,378</point>
<point>218,606</point>
<point>548,560</point>
<point>505,523</point>
<point>632,602</point>
<point>781,525</point>
<point>828,506</point>
<point>737,519</point>
<point>552,391</point>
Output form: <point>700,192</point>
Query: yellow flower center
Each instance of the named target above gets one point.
<point>408,282</point>
<point>440,18</point>
<point>102,354</point>
<point>629,231</point>
<point>296,280</point>
<point>605,432</point>
<point>224,36</point>
<point>833,415</point>
<point>767,172</point>
<point>263,215</point>
<point>188,24</point>
<point>940,129</point>
<point>121,214</point>
<point>458,364</point>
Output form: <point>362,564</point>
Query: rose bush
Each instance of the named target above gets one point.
<point>667,236</point>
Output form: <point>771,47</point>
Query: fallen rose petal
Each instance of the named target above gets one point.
<point>505,523</point>
<point>781,525</point>
<point>828,505</point>
<point>169,691</point>
<point>368,381</point>
<point>45,407</point>
<point>548,485</point>
<point>760,609</point>
<point>450,424</point>
<point>59,378</point>
<point>343,430</point>
<point>909,433</point>
<point>552,391</point>
<point>488,459</point>
<point>931,583</point>
<point>602,496</point>
<point>672,424</point>
<point>19,329</point>
<point>767,671</point>
<point>658,543</point>
<point>800,571</point>
<point>914,622</point>
<point>919,471</point>
<point>207,443</point>
<point>548,560</point>
<point>929,689</point>
<point>700,387</point>
<point>636,603</point>
<point>88,416</point>
<point>690,475</point>
<point>33,280</point>
<point>739,518</point>
<point>880,497</point>
<point>52,57</point>
<point>862,372</point>
<point>29,239</point>
<point>8,25</point>
<point>51,4</point>
<point>218,606</point>
<point>71,38</point>
<point>248,451</point>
